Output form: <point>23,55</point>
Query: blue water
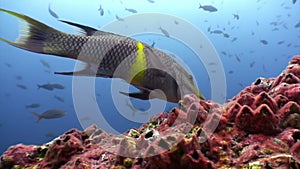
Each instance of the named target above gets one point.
<point>243,60</point>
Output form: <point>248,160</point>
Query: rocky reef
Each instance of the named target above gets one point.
<point>258,128</point>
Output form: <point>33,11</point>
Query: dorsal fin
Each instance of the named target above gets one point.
<point>89,31</point>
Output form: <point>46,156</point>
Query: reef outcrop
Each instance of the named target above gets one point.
<point>258,128</point>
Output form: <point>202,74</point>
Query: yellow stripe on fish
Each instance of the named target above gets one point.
<point>139,66</point>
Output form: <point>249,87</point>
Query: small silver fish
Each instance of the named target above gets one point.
<point>50,114</point>
<point>52,13</point>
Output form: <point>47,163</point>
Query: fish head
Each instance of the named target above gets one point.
<point>186,85</point>
<point>170,76</point>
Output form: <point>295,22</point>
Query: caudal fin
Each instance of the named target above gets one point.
<point>32,35</point>
<point>39,117</point>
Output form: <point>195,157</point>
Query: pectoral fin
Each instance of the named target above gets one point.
<point>143,94</point>
<point>87,70</point>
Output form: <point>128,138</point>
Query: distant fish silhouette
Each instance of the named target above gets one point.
<point>101,10</point>
<point>44,63</point>
<point>119,18</point>
<point>297,25</point>
<point>19,77</point>
<point>8,65</point>
<point>265,42</point>
<point>33,105</point>
<point>51,134</point>
<point>294,1</point>
<point>131,10</point>
<point>216,32</point>
<point>46,86</point>
<point>59,98</point>
<point>252,64</point>
<point>236,16</point>
<point>50,114</point>
<point>237,58</point>
<point>153,44</point>
<point>226,35</point>
<point>21,86</point>
<point>209,8</point>
<point>165,32</point>
<point>52,13</point>
<point>151,1</point>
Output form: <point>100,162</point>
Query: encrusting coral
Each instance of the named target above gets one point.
<point>258,128</point>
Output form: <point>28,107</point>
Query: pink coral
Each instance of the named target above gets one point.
<point>259,127</point>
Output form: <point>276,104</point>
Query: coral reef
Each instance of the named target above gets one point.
<point>258,128</point>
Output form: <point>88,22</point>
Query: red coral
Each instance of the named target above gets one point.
<point>261,124</point>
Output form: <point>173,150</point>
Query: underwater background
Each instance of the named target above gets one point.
<point>257,43</point>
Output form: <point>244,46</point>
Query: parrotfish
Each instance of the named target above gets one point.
<point>155,73</point>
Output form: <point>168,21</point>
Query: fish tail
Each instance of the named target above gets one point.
<point>33,35</point>
<point>39,117</point>
<point>200,6</point>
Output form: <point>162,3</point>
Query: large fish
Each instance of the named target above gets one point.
<point>105,53</point>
